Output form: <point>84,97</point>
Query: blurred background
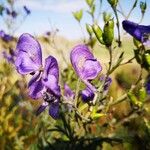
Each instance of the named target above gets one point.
<point>54,25</point>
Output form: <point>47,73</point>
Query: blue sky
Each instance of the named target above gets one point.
<point>58,13</point>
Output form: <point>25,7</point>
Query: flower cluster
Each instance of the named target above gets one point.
<point>45,78</point>
<point>44,81</point>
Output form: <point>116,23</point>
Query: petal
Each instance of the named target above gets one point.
<point>84,63</point>
<point>91,69</point>
<point>107,82</point>
<point>41,108</point>
<point>35,77</point>
<point>51,75</point>
<point>137,31</point>
<point>54,110</point>
<point>29,55</point>
<point>68,93</point>
<point>87,95</point>
<point>35,89</point>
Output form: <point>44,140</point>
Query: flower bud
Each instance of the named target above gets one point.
<point>113,3</point>
<point>89,29</point>
<point>97,31</point>
<point>108,32</point>
<point>143,7</point>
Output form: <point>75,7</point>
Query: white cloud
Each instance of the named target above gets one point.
<point>61,6</point>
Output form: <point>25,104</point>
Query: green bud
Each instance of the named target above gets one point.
<point>113,3</point>
<point>133,99</point>
<point>143,7</point>
<point>98,32</point>
<point>142,94</point>
<point>137,56</point>
<point>108,32</point>
<point>147,58</point>
<point>78,15</point>
<point>106,17</point>
<point>89,29</point>
<point>137,43</point>
<point>90,2</point>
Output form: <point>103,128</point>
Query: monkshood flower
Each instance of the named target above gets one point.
<point>147,85</point>
<point>85,65</point>
<point>68,93</point>
<point>44,82</point>
<point>69,96</point>
<point>26,9</point>
<point>11,13</point>
<point>139,32</point>
<point>10,57</point>
<point>87,95</point>
<point>108,81</point>
<point>5,37</point>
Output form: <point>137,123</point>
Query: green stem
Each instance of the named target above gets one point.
<point>118,26</point>
<point>77,91</point>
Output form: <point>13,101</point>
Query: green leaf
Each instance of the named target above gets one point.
<point>78,15</point>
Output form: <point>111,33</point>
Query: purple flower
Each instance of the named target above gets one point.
<point>10,57</point>
<point>68,93</point>
<point>85,65</point>
<point>147,85</point>
<point>139,32</point>
<point>108,81</point>
<point>14,14</point>
<point>48,33</point>
<point>27,10</point>
<point>87,95</point>
<point>5,37</point>
<point>44,83</point>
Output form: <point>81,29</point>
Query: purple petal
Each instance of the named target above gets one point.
<point>35,77</point>
<point>2,33</point>
<point>84,63</point>
<point>139,32</point>
<point>35,89</point>
<point>87,95</point>
<point>51,75</point>
<point>68,93</point>
<point>54,110</point>
<point>8,57</point>
<point>29,55</point>
<point>107,82</point>
<point>42,108</point>
<point>148,85</point>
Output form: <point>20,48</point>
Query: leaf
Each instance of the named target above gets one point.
<point>78,15</point>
